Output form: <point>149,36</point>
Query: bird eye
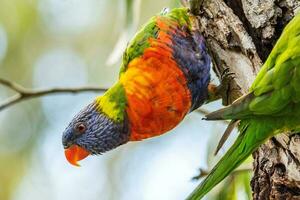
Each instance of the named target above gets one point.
<point>80,128</point>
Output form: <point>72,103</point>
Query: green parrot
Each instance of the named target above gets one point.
<point>272,106</point>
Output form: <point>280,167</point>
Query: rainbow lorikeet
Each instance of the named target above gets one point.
<point>165,74</point>
<point>272,106</point>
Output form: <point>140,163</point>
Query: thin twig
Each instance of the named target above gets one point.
<point>12,85</point>
<point>25,93</point>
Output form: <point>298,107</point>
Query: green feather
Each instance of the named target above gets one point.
<point>249,138</point>
<point>180,15</point>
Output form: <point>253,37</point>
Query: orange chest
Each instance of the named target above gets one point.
<point>157,94</point>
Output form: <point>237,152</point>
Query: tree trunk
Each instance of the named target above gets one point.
<point>240,35</point>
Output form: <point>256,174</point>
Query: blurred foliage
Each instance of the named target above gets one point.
<point>68,43</point>
<point>131,13</point>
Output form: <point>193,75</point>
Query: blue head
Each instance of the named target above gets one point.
<point>92,132</point>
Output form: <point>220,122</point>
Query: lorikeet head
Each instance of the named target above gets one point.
<point>92,132</point>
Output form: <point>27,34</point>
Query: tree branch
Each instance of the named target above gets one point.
<point>11,85</point>
<point>26,94</point>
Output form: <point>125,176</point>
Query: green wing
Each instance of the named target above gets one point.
<point>277,84</point>
<point>140,42</point>
<point>150,30</point>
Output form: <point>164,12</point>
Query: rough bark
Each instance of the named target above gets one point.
<point>240,35</point>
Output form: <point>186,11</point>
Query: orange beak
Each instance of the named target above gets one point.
<point>75,153</point>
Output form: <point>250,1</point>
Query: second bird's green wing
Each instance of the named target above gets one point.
<point>277,84</point>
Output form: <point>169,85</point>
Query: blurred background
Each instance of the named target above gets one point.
<point>69,43</point>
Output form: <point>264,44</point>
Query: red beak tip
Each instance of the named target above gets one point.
<point>75,153</point>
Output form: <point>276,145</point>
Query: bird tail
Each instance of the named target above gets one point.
<point>237,110</point>
<point>253,133</point>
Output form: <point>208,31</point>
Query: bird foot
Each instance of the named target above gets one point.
<point>222,90</point>
<point>224,87</point>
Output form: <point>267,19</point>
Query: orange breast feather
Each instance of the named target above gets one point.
<point>157,94</point>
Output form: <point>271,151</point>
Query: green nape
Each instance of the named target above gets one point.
<point>113,102</point>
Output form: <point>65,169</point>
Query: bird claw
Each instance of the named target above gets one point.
<point>223,88</point>
<point>227,76</point>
